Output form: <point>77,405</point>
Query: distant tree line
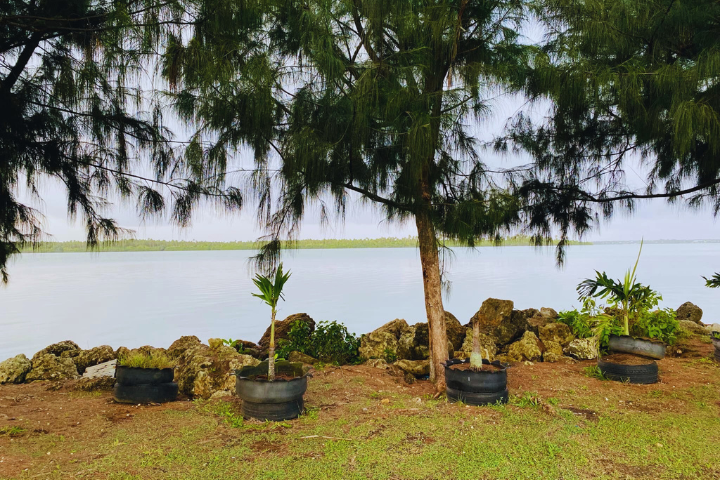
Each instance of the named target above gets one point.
<point>309,244</point>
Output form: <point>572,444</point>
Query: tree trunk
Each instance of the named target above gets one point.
<point>271,350</point>
<point>20,64</point>
<point>430,261</point>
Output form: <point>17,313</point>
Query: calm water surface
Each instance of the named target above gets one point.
<point>153,298</point>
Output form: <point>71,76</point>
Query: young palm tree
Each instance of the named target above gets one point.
<point>626,293</point>
<point>271,293</point>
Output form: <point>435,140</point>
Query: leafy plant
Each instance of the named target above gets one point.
<point>271,294</point>
<point>330,342</point>
<point>715,335</point>
<point>627,294</point>
<point>659,324</point>
<point>236,344</point>
<point>299,339</point>
<point>713,282</point>
<point>580,322</point>
<point>591,321</point>
<point>154,359</point>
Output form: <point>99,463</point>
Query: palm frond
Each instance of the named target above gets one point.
<point>713,282</point>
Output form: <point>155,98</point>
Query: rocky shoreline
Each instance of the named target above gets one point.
<point>205,370</point>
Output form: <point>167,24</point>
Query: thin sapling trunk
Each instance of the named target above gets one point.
<point>476,355</point>
<point>271,350</point>
<point>271,293</point>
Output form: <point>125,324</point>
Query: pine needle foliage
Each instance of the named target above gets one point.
<point>627,79</point>
<point>78,108</point>
<point>372,97</point>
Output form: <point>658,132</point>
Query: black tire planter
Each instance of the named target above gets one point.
<point>478,399</point>
<point>636,346</point>
<point>276,400</point>
<point>145,393</point>
<point>716,344</point>
<point>485,387</point>
<point>637,374</point>
<point>143,376</point>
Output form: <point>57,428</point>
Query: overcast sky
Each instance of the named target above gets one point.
<point>652,220</point>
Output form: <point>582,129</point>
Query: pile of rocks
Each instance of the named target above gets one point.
<point>506,334</point>
<point>59,361</point>
<point>204,370</point>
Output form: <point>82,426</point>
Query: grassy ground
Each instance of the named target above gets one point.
<point>362,423</point>
<point>160,245</point>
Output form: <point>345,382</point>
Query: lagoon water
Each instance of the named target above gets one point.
<point>153,298</point>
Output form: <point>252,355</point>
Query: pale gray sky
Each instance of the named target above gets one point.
<point>653,220</point>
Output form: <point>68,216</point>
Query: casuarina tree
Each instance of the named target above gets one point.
<point>366,98</point>
<point>628,82</point>
<point>77,103</point>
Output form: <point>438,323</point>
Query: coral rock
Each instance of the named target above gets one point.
<point>66,348</point>
<point>202,371</point>
<point>414,367</point>
<point>384,340</point>
<point>689,311</point>
<point>50,367</point>
<point>582,349</point>
<point>92,357</point>
<point>14,370</point>
<point>182,344</point>
<point>525,349</point>
<point>556,332</point>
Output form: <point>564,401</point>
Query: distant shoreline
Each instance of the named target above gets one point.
<point>386,242</point>
<point>183,246</point>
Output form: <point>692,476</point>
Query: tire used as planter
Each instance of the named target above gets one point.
<point>143,376</point>
<point>716,344</point>
<point>484,387</point>
<point>478,399</point>
<point>638,374</point>
<point>636,346</point>
<point>277,400</point>
<point>145,393</point>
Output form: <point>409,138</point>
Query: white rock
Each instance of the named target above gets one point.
<point>106,369</point>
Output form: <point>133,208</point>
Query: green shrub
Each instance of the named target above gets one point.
<point>660,324</point>
<point>591,321</point>
<point>141,360</point>
<point>330,342</point>
<point>579,323</point>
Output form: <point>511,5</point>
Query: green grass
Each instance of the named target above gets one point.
<point>161,245</point>
<point>366,430</point>
<point>450,442</point>
<point>594,372</point>
<point>12,431</point>
<point>141,360</point>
